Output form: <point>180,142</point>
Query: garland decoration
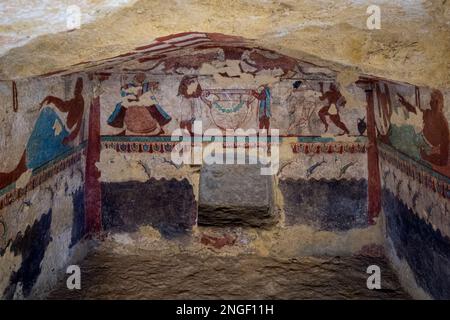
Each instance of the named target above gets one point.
<point>228,110</point>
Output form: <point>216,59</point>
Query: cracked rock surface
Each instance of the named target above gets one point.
<point>412,44</point>
<point>110,273</point>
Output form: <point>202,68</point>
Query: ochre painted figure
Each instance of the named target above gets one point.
<point>73,107</point>
<point>435,129</point>
<point>334,101</point>
<point>139,111</point>
<point>191,108</point>
<point>263,95</point>
<point>301,104</point>
<point>50,137</point>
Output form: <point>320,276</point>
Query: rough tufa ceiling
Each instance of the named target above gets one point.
<point>412,44</point>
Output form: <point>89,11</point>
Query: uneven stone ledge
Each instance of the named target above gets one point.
<point>168,275</point>
<point>257,216</point>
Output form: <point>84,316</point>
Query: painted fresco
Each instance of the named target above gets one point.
<point>412,120</point>
<point>139,111</point>
<point>41,181</point>
<point>413,135</point>
<point>302,105</point>
<point>334,101</point>
<point>328,157</point>
<point>230,88</point>
<point>295,107</point>
<point>58,124</point>
<point>321,122</point>
<point>227,87</point>
<point>328,177</point>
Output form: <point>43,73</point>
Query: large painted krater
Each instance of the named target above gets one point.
<point>229,108</point>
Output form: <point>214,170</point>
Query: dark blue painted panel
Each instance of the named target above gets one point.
<point>425,250</point>
<point>168,205</point>
<point>31,246</point>
<point>78,222</point>
<point>334,205</point>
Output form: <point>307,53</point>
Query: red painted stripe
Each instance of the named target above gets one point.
<point>194,44</point>
<point>165,40</point>
<point>151,58</point>
<point>148,46</point>
<point>53,73</point>
<point>203,39</point>
<point>374,179</point>
<point>170,49</point>
<point>93,187</point>
<point>221,38</point>
<point>161,50</point>
<point>124,55</point>
<point>177,35</point>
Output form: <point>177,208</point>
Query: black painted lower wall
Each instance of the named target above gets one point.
<point>78,220</point>
<point>167,205</point>
<point>332,205</point>
<point>31,245</point>
<point>426,251</point>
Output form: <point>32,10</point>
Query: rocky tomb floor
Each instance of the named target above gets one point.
<point>146,274</point>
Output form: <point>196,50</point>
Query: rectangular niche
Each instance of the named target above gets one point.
<point>235,195</point>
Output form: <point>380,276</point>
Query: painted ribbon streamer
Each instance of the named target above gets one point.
<point>14,97</point>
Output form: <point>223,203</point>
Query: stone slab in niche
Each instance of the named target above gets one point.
<point>236,195</point>
<point>167,205</point>
<point>332,205</point>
